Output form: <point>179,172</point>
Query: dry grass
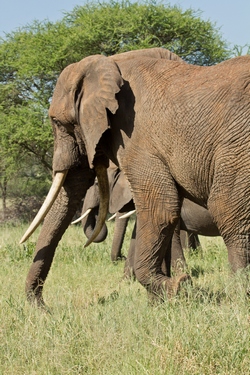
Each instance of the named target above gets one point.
<point>99,324</point>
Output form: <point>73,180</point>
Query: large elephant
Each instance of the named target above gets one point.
<point>175,130</point>
<point>73,172</point>
<point>194,219</point>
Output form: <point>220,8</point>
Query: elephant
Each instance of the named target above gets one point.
<point>73,173</point>
<point>194,219</point>
<point>120,202</point>
<point>176,130</point>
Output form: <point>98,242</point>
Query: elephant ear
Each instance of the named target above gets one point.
<point>120,193</point>
<point>101,82</point>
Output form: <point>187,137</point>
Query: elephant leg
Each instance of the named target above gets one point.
<point>193,241</point>
<point>189,240</point>
<point>158,211</point>
<point>129,264</point>
<point>55,224</point>
<point>119,233</point>
<point>233,221</point>
<point>178,261</point>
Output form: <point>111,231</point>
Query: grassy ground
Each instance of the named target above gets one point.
<point>101,325</point>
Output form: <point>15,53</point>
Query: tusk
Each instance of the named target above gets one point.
<point>127,214</point>
<point>50,199</point>
<point>103,184</point>
<point>82,216</point>
<point>112,217</point>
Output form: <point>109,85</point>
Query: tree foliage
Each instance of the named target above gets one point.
<point>121,26</point>
<point>32,58</point>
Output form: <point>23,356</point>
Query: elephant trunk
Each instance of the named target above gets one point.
<point>103,184</point>
<point>55,224</point>
<point>89,224</point>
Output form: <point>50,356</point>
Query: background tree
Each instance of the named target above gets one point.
<point>114,27</point>
<point>32,58</point>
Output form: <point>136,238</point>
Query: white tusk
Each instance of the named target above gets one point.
<point>82,216</point>
<point>112,217</point>
<point>127,214</point>
<point>49,200</point>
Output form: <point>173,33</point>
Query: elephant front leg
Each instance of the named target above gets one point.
<point>54,226</point>
<point>119,234</point>
<point>178,261</point>
<point>149,257</point>
<point>158,209</point>
<point>129,264</point>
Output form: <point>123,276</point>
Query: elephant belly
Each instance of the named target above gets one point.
<point>197,219</point>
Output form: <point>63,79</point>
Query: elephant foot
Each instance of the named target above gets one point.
<point>121,258</point>
<point>35,299</point>
<point>173,286</point>
<point>169,289</point>
<point>128,272</point>
<point>178,267</point>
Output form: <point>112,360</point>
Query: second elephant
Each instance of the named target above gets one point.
<point>194,220</point>
<point>120,202</point>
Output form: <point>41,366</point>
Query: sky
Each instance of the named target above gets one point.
<point>232,17</point>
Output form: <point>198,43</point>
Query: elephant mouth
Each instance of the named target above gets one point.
<point>47,204</point>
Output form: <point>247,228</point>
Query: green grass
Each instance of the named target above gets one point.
<point>100,324</point>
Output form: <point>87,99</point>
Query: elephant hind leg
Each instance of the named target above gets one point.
<point>230,210</point>
<point>238,251</point>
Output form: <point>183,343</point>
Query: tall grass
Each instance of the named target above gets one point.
<point>100,324</point>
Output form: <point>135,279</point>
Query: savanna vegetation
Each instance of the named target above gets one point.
<point>99,324</point>
<point>32,57</point>
<point>96,322</point>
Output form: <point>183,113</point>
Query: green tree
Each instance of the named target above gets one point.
<point>118,26</point>
<point>32,58</point>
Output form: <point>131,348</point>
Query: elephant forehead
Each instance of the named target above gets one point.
<point>62,106</point>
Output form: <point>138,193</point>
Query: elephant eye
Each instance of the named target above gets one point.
<point>65,128</point>
<point>55,121</point>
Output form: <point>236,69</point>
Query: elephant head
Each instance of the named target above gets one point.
<point>70,112</point>
<point>120,197</point>
<point>84,100</point>
<point>120,201</point>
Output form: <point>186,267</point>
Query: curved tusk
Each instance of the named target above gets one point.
<point>50,199</point>
<point>82,216</point>
<point>112,217</point>
<point>103,184</point>
<point>127,214</point>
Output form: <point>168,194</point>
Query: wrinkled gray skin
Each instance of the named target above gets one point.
<point>85,94</point>
<point>194,220</point>
<point>176,130</point>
